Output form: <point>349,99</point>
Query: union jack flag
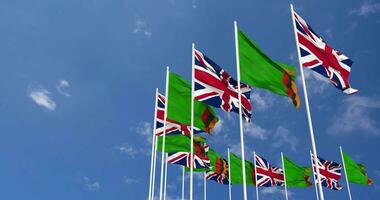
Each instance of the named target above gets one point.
<point>267,175</point>
<point>317,55</point>
<point>215,87</point>
<point>201,160</point>
<point>219,172</point>
<point>172,127</point>
<point>330,173</point>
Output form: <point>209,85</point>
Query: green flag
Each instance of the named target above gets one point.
<point>236,172</point>
<point>356,173</point>
<point>296,176</point>
<point>178,143</point>
<point>217,164</point>
<point>258,70</point>
<point>179,105</point>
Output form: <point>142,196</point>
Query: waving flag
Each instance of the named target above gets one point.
<point>330,173</point>
<point>201,159</point>
<point>267,175</point>
<point>215,87</point>
<point>219,172</point>
<point>356,172</point>
<point>317,55</point>
<point>172,127</point>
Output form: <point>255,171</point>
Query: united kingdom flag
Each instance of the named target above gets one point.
<point>201,160</point>
<point>172,127</point>
<point>266,174</point>
<point>220,172</point>
<point>215,87</point>
<point>330,173</point>
<point>317,55</point>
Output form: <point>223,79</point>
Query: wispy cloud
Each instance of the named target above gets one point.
<point>366,8</point>
<point>130,180</point>
<point>62,85</point>
<point>145,129</point>
<point>274,191</point>
<point>127,149</point>
<point>255,131</point>
<point>194,4</point>
<point>316,83</point>
<point>262,100</point>
<point>41,97</point>
<point>355,114</point>
<point>91,185</point>
<point>284,137</point>
<point>142,27</point>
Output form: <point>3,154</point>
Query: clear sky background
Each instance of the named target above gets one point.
<point>77,88</point>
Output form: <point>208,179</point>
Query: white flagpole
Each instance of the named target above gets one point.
<point>152,160</point>
<point>257,187</point>
<point>166,174</point>
<point>314,148</point>
<point>154,166</point>
<point>283,168</point>
<point>345,173</point>
<point>204,186</point>
<point>315,182</point>
<point>229,175</point>
<point>183,183</point>
<point>240,112</point>
<point>192,122</point>
<point>164,132</point>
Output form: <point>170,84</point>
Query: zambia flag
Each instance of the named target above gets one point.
<point>257,69</point>
<point>356,173</point>
<point>237,174</point>
<point>296,176</point>
<point>179,105</point>
<point>179,143</point>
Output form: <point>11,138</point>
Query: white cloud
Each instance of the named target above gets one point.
<point>262,100</point>
<point>255,131</point>
<point>41,97</point>
<point>355,114</point>
<point>283,137</point>
<point>127,149</point>
<point>142,27</point>
<point>274,191</point>
<point>145,129</point>
<point>129,180</point>
<point>62,84</point>
<point>366,8</point>
<point>91,185</point>
<point>315,82</point>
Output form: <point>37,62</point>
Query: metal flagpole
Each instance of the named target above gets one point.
<point>314,148</point>
<point>345,173</point>
<point>240,113</point>
<point>166,174</point>
<point>229,175</point>
<point>257,187</point>
<point>283,168</point>
<point>192,122</point>
<point>204,186</point>
<point>164,132</point>
<point>315,182</point>
<point>183,183</point>
<point>154,167</point>
<point>152,160</point>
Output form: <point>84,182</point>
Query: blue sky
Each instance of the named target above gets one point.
<point>77,88</point>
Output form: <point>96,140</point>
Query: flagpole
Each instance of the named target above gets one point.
<point>283,168</point>
<point>192,122</point>
<point>229,175</point>
<point>315,182</point>
<point>166,174</point>
<point>314,148</point>
<point>240,113</point>
<point>164,132</point>
<point>183,183</point>
<point>345,172</point>
<point>154,166</point>
<point>254,164</point>
<point>204,186</point>
<point>152,160</point>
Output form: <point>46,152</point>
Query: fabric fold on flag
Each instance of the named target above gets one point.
<point>214,86</point>
<point>268,175</point>
<point>258,70</point>
<point>318,56</point>
<point>330,173</point>
<point>236,172</point>
<point>179,106</point>
<point>295,175</point>
<point>356,173</point>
